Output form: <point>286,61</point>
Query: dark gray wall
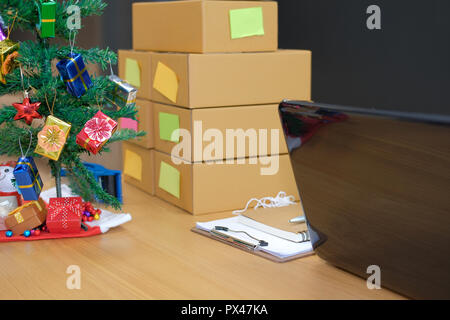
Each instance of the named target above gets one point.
<point>404,66</point>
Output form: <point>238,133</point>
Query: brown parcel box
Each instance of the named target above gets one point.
<point>143,61</point>
<point>27,217</point>
<point>236,79</point>
<point>252,118</point>
<point>200,27</point>
<point>138,167</point>
<point>211,187</point>
<point>145,123</point>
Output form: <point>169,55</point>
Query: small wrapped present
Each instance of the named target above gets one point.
<point>64,215</point>
<point>73,72</point>
<point>27,217</point>
<point>124,94</point>
<point>47,16</point>
<point>28,179</point>
<point>9,51</point>
<point>52,138</point>
<point>10,198</point>
<point>96,132</point>
<point>8,202</point>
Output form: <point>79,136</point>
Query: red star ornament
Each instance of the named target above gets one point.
<point>27,111</point>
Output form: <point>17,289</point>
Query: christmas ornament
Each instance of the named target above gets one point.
<point>10,63</point>
<point>9,51</point>
<point>123,95</point>
<point>47,18</point>
<point>96,132</point>
<point>3,29</point>
<point>29,216</point>
<point>10,199</point>
<point>64,215</point>
<point>27,233</point>
<point>28,178</point>
<point>27,110</point>
<point>9,233</point>
<point>89,213</point>
<point>74,17</point>
<point>74,73</point>
<point>52,138</point>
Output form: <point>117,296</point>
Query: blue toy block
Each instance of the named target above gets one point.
<point>110,180</point>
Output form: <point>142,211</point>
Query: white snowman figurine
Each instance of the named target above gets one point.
<point>10,199</point>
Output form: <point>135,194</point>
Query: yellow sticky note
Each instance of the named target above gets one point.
<point>169,179</point>
<point>133,165</point>
<point>132,72</point>
<point>246,22</point>
<point>166,82</point>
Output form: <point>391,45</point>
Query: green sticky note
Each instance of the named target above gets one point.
<point>168,123</point>
<point>169,179</point>
<point>246,22</point>
<point>132,72</point>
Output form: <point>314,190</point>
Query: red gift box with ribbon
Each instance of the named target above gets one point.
<point>64,215</point>
<point>96,132</point>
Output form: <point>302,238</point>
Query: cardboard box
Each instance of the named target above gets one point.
<point>138,167</point>
<point>205,26</point>
<point>208,128</point>
<point>234,79</point>
<point>135,68</point>
<point>144,123</point>
<point>202,188</point>
<point>27,217</point>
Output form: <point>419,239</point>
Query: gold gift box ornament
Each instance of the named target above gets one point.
<point>52,138</point>
<point>9,51</point>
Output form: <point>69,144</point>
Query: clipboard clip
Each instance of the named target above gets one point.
<point>261,243</point>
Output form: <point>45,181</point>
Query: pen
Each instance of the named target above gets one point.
<point>299,219</point>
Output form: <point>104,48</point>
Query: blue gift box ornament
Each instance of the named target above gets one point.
<point>73,72</point>
<point>28,179</point>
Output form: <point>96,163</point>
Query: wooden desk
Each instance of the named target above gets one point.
<point>156,256</point>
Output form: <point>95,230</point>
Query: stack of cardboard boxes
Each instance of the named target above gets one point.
<point>213,69</point>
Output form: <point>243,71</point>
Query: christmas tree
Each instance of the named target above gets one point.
<point>29,70</point>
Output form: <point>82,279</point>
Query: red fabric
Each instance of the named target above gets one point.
<point>92,231</point>
<point>13,194</point>
<point>64,215</point>
<point>96,132</point>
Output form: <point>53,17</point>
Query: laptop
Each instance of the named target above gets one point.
<point>375,190</point>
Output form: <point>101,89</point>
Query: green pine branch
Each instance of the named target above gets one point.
<point>28,17</point>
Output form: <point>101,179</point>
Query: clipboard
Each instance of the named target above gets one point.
<point>255,252</point>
